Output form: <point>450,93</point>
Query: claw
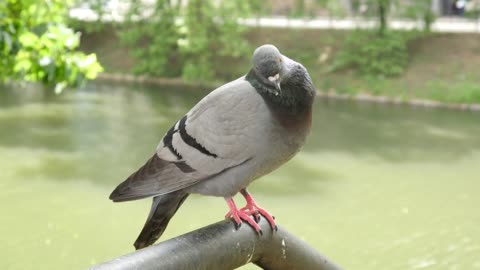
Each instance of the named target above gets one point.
<point>237,225</point>
<point>252,208</point>
<point>269,218</point>
<point>239,217</point>
<point>251,212</point>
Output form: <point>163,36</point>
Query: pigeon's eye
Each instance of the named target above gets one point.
<point>280,59</point>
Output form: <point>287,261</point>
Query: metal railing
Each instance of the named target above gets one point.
<point>220,246</point>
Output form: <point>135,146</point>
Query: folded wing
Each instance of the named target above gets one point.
<point>219,133</point>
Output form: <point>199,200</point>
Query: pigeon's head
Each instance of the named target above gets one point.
<point>267,62</point>
<point>281,80</point>
<point>271,66</point>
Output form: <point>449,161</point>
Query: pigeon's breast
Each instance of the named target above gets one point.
<point>297,124</point>
<point>288,135</point>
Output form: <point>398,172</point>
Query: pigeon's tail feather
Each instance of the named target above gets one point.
<point>163,209</point>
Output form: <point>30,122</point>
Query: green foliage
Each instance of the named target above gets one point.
<point>176,40</point>
<point>383,53</point>
<point>309,9</point>
<point>211,30</point>
<point>298,9</point>
<point>36,46</point>
<point>463,91</point>
<point>52,60</point>
<point>374,54</point>
<point>153,37</point>
<point>421,10</point>
<point>370,8</point>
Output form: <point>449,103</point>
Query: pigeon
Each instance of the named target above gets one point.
<point>237,133</point>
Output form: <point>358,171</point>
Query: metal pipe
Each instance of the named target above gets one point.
<point>220,246</point>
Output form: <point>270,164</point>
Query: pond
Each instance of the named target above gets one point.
<point>375,187</point>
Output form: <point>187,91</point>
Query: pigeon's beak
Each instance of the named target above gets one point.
<point>277,85</point>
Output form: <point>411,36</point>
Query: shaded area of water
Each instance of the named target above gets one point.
<point>375,187</point>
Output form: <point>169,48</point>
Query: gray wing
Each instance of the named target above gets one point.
<point>217,134</point>
<point>156,177</point>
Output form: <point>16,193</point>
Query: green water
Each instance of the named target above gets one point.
<point>374,188</point>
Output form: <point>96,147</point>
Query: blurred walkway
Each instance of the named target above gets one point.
<point>445,24</point>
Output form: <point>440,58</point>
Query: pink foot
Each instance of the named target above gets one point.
<point>251,212</point>
<point>252,208</point>
<point>239,216</point>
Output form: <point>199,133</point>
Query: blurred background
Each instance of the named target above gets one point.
<point>388,179</point>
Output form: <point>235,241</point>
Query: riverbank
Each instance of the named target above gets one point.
<point>443,66</point>
<point>414,103</point>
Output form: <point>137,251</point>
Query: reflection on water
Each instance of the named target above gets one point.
<point>375,187</point>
